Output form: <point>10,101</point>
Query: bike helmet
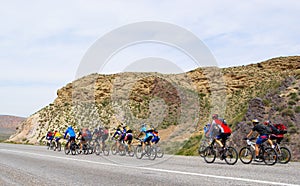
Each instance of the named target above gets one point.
<point>255,121</point>
<point>215,116</point>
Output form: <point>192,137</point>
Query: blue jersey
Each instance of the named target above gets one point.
<point>70,131</point>
<point>147,132</point>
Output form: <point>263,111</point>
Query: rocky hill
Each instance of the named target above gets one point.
<point>177,104</point>
<point>9,125</point>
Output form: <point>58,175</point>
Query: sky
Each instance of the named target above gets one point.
<point>43,42</point>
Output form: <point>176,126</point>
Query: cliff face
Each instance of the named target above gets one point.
<point>178,104</point>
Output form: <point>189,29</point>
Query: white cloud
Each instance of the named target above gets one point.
<point>42,42</point>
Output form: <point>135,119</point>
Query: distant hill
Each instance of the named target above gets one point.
<point>8,125</point>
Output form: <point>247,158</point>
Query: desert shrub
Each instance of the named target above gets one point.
<point>297,109</point>
<point>266,102</point>
<point>291,102</point>
<point>292,130</point>
<point>190,146</point>
<point>287,112</point>
<point>293,96</point>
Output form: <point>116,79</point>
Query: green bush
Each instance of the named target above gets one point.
<point>287,112</point>
<point>292,102</point>
<point>266,102</point>
<point>293,96</point>
<point>292,130</point>
<point>297,109</point>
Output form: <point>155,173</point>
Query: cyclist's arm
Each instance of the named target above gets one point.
<point>66,134</point>
<point>250,133</point>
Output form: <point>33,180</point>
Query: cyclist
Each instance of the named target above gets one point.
<point>49,136</point>
<point>263,133</point>
<point>156,137</point>
<point>72,135</point>
<point>148,135</point>
<point>57,137</point>
<point>273,134</point>
<point>224,130</point>
<point>85,136</point>
<point>117,133</point>
<point>96,133</point>
<point>123,133</point>
<point>103,135</point>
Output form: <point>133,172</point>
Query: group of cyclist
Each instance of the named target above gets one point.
<point>122,134</point>
<point>56,136</point>
<point>219,132</point>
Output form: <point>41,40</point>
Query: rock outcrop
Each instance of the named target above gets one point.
<point>178,104</point>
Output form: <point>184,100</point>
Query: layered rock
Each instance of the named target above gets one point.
<point>180,103</point>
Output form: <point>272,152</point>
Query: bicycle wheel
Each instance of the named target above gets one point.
<point>97,149</point>
<point>77,148</point>
<point>48,145</point>
<point>122,149</point>
<point>209,155</point>
<point>202,148</point>
<point>85,149</point>
<point>73,148</point>
<point>284,155</point>
<point>152,153</point>
<point>53,146</point>
<point>130,151</point>
<point>246,155</point>
<point>138,152</point>
<point>159,152</point>
<point>230,155</point>
<point>66,149</point>
<point>58,146</point>
<point>90,149</point>
<point>269,156</point>
<point>105,150</point>
<point>114,149</point>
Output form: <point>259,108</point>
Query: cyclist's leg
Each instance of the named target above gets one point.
<point>261,139</point>
<point>217,139</point>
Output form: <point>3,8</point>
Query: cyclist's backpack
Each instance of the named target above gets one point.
<point>264,129</point>
<point>84,132</point>
<point>281,128</point>
<point>49,134</point>
<point>274,129</point>
<point>224,125</point>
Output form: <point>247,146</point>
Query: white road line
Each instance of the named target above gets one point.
<point>158,170</point>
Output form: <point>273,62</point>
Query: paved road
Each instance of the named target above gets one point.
<point>34,165</point>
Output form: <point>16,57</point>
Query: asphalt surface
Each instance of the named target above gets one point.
<point>35,165</point>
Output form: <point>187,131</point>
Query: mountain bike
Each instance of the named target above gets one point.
<point>101,148</point>
<point>159,150</point>
<point>148,150</point>
<point>86,148</point>
<point>126,149</point>
<point>115,147</point>
<point>50,144</point>
<point>202,147</point>
<point>229,154</point>
<point>267,154</point>
<point>57,145</point>
<point>74,148</point>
